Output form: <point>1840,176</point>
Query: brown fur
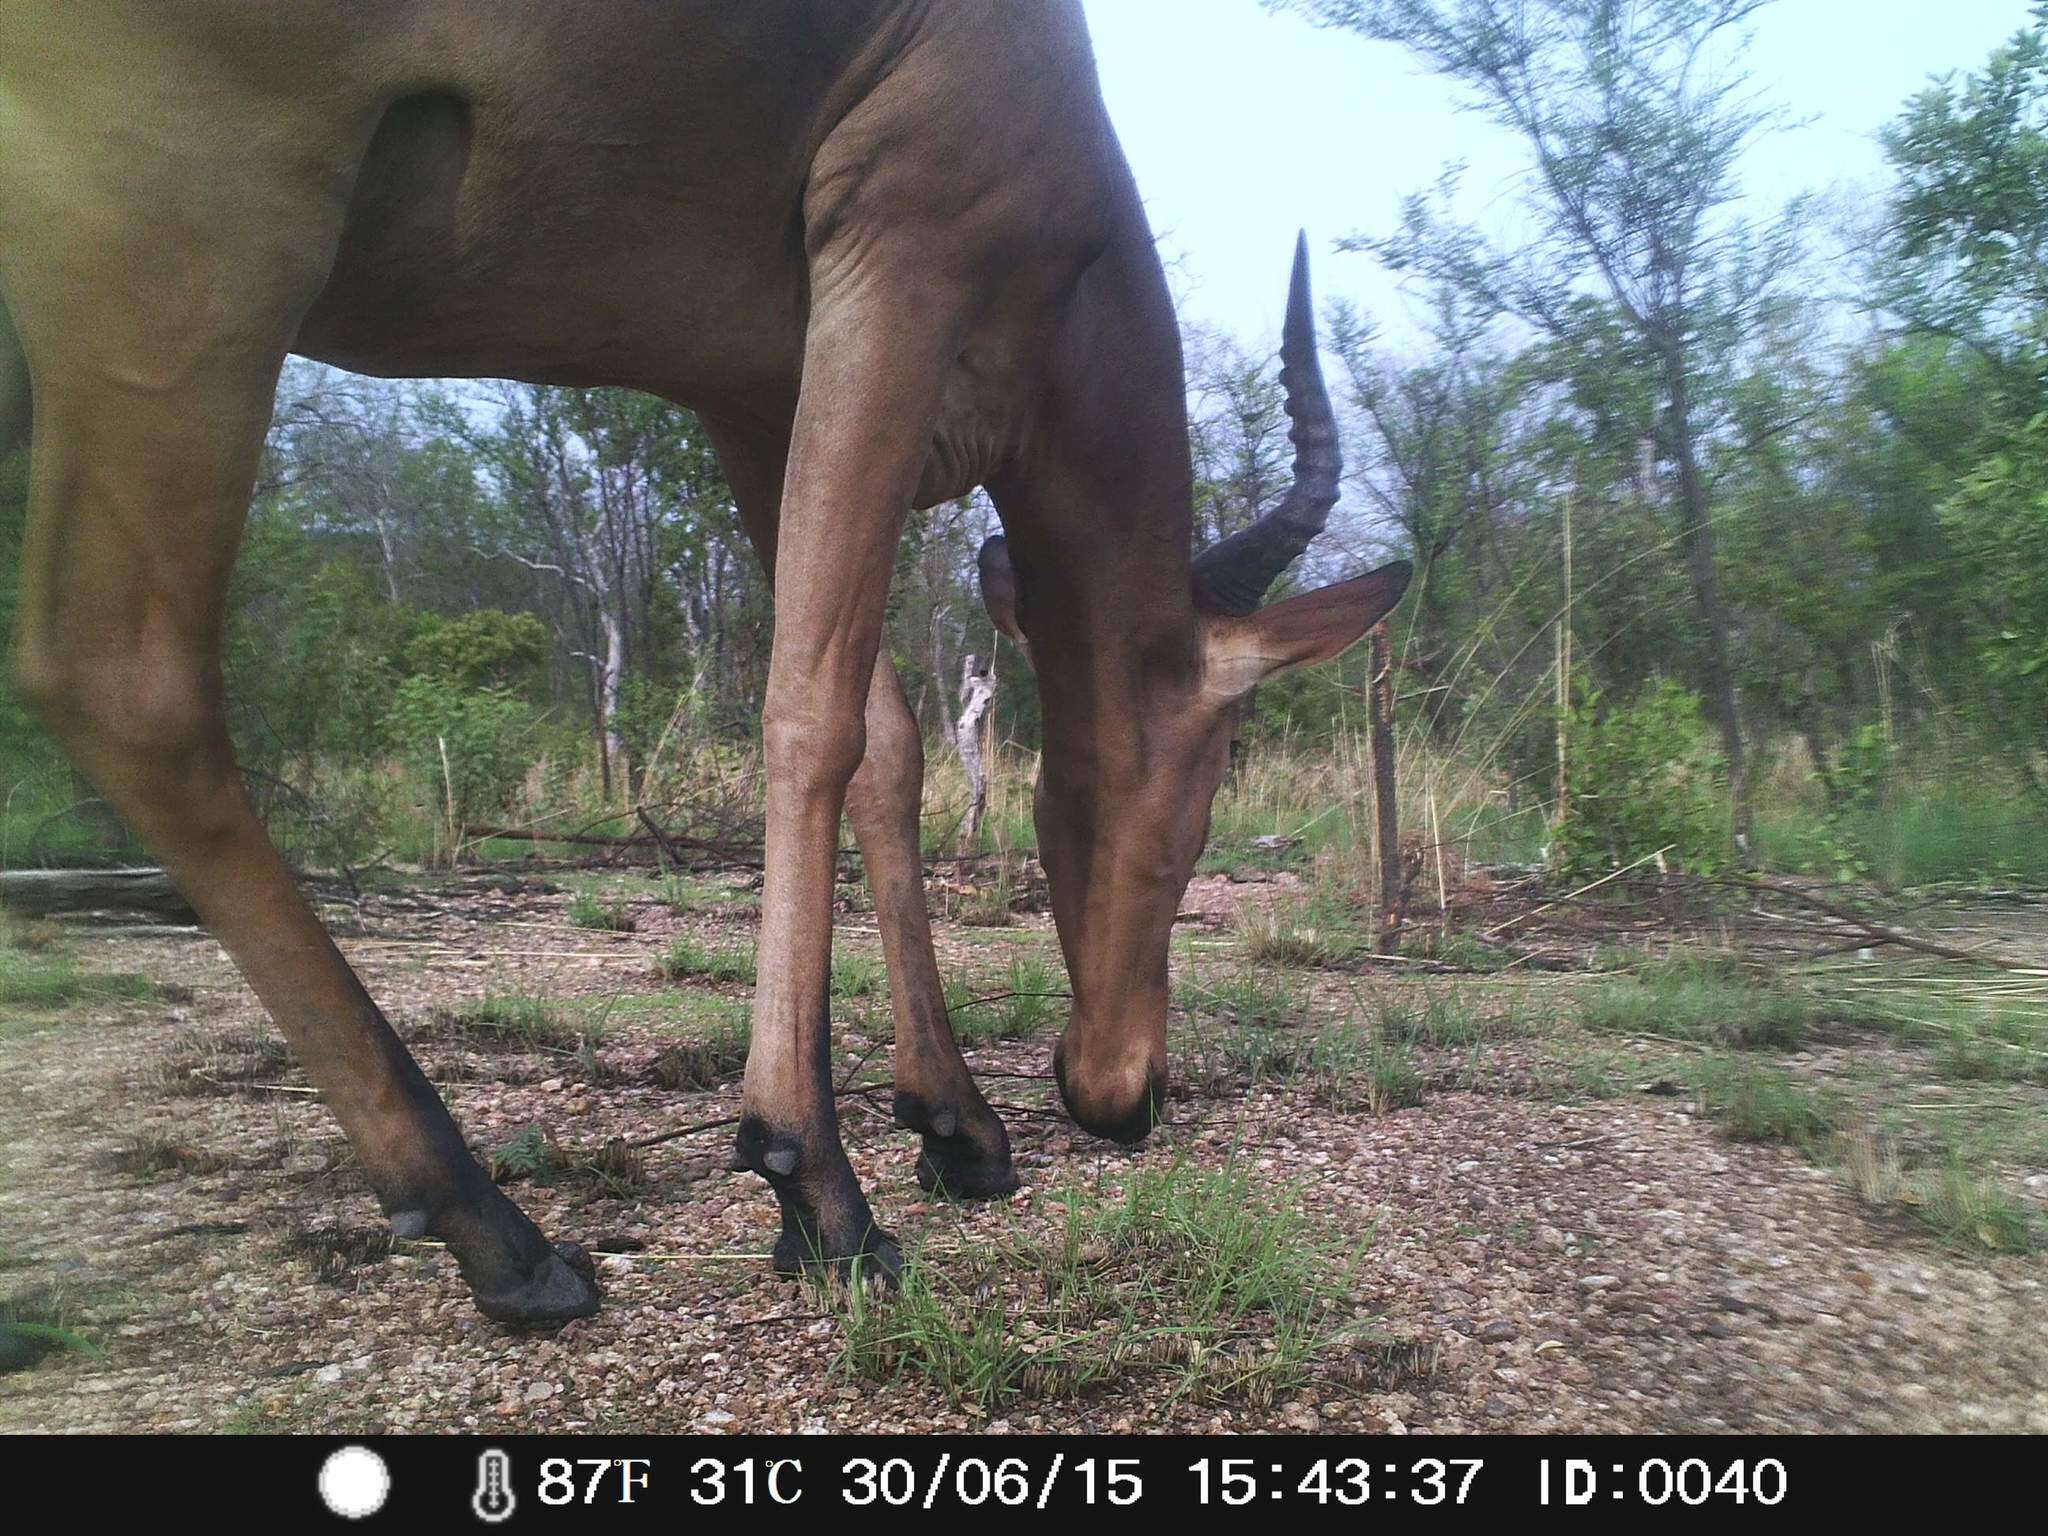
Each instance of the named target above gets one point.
<point>888,250</point>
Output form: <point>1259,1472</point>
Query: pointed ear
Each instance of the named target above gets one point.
<point>1240,653</point>
<point>999,590</point>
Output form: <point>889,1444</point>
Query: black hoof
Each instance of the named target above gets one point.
<point>876,1258</point>
<point>563,1286</point>
<point>826,1225</point>
<point>954,1168</point>
<point>959,1160</point>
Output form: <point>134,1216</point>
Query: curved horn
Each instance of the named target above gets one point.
<point>1231,575</point>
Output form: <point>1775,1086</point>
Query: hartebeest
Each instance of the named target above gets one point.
<point>888,249</point>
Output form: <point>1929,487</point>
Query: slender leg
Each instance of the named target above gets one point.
<point>150,410</point>
<point>876,356</point>
<point>966,1151</point>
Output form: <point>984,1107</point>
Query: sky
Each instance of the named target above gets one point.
<point>1242,126</point>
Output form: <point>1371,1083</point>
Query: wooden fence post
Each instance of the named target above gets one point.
<point>1393,893</point>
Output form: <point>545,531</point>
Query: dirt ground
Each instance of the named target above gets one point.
<point>1529,1263</point>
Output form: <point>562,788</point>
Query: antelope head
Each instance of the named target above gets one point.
<point>1136,748</point>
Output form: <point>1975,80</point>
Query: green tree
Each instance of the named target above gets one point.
<point>1998,520</point>
<point>1964,268</point>
<point>1443,455</point>
<point>1635,118</point>
<point>1967,254</point>
<point>609,499</point>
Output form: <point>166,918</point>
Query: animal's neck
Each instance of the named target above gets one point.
<point>1100,510</point>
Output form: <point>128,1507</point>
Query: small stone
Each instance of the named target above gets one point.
<point>1499,1333</point>
<point>1599,1282</point>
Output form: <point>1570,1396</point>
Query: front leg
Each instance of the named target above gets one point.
<point>966,1152</point>
<point>875,359</point>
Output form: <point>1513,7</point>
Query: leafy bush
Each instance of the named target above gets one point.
<point>484,649</point>
<point>1644,776</point>
<point>311,653</point>
<point>468,748</point>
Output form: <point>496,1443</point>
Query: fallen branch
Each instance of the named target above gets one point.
<point>725,853</point>
<point>688,1130</point>
<point>1876,930</point>
<point>44,892</point>
<point>668,846</point>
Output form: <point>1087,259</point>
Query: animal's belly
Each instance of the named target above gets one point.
<point>474,247</point>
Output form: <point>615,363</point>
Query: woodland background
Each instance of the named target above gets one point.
<point>1731,532</point>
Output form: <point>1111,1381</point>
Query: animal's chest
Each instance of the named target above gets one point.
<point>985,415</point>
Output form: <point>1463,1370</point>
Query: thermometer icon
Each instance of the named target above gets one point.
<point>493,1500</point>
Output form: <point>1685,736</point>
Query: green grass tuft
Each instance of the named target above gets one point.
<point>1249,996</point>
<point>40,1322</point>
<point>590,911</point>
<point>1763,1104</point>
<point>46,979</point>
<point>689,959</point>
<point>855,974</point>
<point>1969,1211</point>
<point>1706,999</point>
<point>1021,1005</point>
<point>1568,1074</point>
<point>1349,1067</point>
<point>520,1021</point>
<point>1312,931</point>
<point>1202,1283</point>
<point>1441,1018</point>
<point>683,895</point>
<point>1460,951</point>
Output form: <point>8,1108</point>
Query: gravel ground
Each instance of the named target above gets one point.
<point>1529,1266</point>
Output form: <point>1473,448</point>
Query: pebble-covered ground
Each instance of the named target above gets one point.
<point>1525,1264</point>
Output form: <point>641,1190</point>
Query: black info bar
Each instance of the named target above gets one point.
<point>553,1481</point>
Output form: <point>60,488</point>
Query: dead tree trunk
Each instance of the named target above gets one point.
<point>1393,893</point>
<point>617,772</point>
<point>49,892</point>
<point>977,693</point>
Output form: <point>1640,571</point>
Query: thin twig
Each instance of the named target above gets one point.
<point>1534,911</point>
